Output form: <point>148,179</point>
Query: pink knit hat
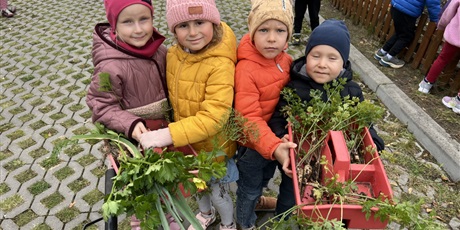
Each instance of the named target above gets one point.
<point>114,7</point>
<point>178,11</point>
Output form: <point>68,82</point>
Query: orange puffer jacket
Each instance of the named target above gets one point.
<point>258,82</point>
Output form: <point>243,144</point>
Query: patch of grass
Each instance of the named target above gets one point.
<point>25,176</point>
<point>16,134</point>
<point>9,85</point>
<point>38,152</point>
<point>65,101</point>
<point>55,94</point>
<point>39,187</point>
<point>5,154</point>
<point>46,109</point>
<point>73,150</point>
<point>27,143</point>
<point>27,117</point>
<point>50,162</point>
<point>6,127</point>
<point>36,83</point>
<point>7,104</point>
<point>13,165</point>
<point>58,116</point>
<point>86,160</point>
<point>25,217</point>
<point>92,227</point>
<point>63,82</point>
<point>69,123</point>
<point>93,197</point>
<point>80,131</point>
<point>27,96</point>
<point>27,78</point>
<point>86,115</point>
<point>37,125</point>
<point>49,133</point>
<point>10,203</point>
<point>52,200</point>
<point>42,226</point>
<point>37,102</point>
<point>78,76</point>
<point>18,90</point>
<point>63,173</point>
<point>79,184</point>
<point>67,214</point>
<point>99,171</point>
<point>73,88</point>
<point>76,107</point>
<point>81,93</point>
<point>17,110</point>
<point>53,77</point>
<point>4,188</point>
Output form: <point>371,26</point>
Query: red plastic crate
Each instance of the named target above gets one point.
<point>370,178</point>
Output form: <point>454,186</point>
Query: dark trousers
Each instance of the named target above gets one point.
<point>404,32</point>
<point>254,174</point>
<point>313,11</point>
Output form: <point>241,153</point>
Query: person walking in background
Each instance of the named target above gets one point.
<point>450,23</point>
<point>7,11</point>
<point>261,73</point>
<point>300,7</point>
<point>404,14</point>
<point>200,78</point>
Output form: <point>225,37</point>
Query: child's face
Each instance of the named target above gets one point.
<point>135,25</point>
<point>195,34</point>
<point>324,63</point>
<point>270,38</point>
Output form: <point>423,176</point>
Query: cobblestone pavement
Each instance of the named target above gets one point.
<point>45,69</point>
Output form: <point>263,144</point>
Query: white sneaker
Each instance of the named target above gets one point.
<point>424,86</point>
<point>452,103</point>
<point>227,227</point>
<point>205,220</point>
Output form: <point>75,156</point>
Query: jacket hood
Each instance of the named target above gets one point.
<point>105,48</point>
<point>300,62</point>
<point>247,50</point>
<point>219,50</point>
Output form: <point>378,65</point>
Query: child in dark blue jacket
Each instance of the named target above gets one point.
<point>326,59</point>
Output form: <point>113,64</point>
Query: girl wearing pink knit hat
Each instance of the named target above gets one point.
<point>200,78</point>
<point>129,57</point>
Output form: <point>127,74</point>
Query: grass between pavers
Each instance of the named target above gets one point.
<point>93,197</point>
<point>67,214</point>
<point>25,217</point>
<point>5,154</point>
<point>38,187</point>
<point>25,176</point>
<point>11,202</point>
<point>63,173</point>
<point>13,165</point>
<point>86,160</point>
<point>78,184</point>
<point>52,200</point>
<point>42,226</point>
<point>4,188</point>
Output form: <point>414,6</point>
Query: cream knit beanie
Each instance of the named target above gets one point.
<point>263,10</point>
<point>178,11</point>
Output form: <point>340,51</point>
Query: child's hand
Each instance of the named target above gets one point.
<point>138,130</point>
<point>157,138</point>
<point>282,156</point>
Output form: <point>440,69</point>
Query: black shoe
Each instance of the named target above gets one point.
<point>7,13</point>
<point>296,39</point>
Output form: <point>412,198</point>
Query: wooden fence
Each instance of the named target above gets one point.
<point>421,53</point>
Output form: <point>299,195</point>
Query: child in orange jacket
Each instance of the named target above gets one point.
<point>261,72</point>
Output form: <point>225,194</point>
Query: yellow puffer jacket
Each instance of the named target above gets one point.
<point>201,92</point>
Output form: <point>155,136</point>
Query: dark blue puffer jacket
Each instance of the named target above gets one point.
<point>415,8</point>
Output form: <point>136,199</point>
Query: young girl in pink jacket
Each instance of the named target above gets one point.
<point>450,23</point>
